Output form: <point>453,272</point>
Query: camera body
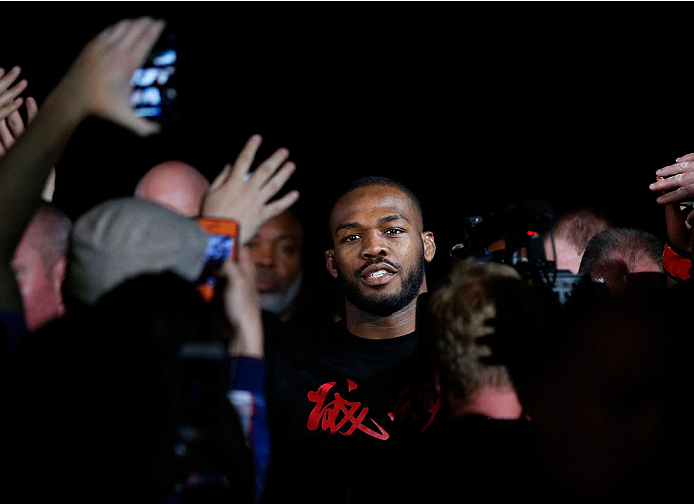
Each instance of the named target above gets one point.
<point>520,227</point>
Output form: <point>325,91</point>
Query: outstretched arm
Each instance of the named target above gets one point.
<point>234,196</point>
<point>97,83</point>
<point>676,183</point>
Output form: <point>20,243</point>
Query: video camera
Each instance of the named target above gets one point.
<point>521,228</point>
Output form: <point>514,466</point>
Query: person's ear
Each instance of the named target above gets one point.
<point>330,262</point>
<point>429,245</point>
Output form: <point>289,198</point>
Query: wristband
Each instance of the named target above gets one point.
<point>676,264</point>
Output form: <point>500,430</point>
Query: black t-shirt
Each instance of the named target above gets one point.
<point>341,407</point>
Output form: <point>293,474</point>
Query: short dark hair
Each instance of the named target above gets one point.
<point>628,245</point>
<point>579,225</point>
<point>376,181</point>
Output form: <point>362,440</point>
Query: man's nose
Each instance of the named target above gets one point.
<point>373,245</point>
<point>264,255</point>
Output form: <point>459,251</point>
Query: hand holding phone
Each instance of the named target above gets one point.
<point>155,83</point>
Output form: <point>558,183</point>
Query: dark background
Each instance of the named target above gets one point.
<point>474,105</point>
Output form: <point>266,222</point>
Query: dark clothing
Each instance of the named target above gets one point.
<point>341,409</point>
<point>474,458</point>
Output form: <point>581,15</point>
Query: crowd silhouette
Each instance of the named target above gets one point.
<point>170,345</point>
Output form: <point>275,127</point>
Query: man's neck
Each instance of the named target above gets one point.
<point>367,325</point>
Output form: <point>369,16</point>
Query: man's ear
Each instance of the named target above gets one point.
<point>429,245</point>
<point>330,262</point>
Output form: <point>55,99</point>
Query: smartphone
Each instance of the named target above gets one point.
<point>155,84</point>
<point>221,246</point>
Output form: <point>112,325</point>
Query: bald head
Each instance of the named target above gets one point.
<point>175,185</point>
<point>39,264</point>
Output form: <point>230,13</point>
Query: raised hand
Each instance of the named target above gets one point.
<point>244,198</point>
<point>676,183</point>
<point>98,82</point>
<point>10,102</point>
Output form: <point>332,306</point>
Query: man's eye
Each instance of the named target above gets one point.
<point>394,231</point>
<point>350,238</point>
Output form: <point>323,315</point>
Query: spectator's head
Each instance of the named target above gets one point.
<point>616,254</point>
<point>466,317</point>
<point>572,231</point>
<point>39,265</point>
<point>277,254</point>
<point>380,246</point>
<point>176,185</point>
<point>126,237</point>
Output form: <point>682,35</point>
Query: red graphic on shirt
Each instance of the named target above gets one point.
<point>429,400</point>
<point>340,413</point>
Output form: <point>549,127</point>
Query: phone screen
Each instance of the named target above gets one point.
<point>155,93</point>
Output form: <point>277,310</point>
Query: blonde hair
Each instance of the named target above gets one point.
<point>461,311</point>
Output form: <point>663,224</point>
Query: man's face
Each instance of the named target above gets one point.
<point>380,249</point>
<point>39,287</point>
<point>276,254</point>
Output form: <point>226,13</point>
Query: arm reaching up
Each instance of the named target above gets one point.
<point>97,83</point>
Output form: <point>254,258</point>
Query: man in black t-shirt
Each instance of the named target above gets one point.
<point>345,401</point>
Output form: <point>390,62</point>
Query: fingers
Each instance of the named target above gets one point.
<point>9,109</point>
<point>12,93</point>
<point>139,38</point>
<point>32,109</point>
<point>221,178</point>
<point>685,193</point>
<point>6,138</point>
<point>134,37</point>
<point>680,167</point>
<point>277,207</point>
<point>266,170</point>
<point>673,182</point>
<point>113,32</point>
<point>246,156</point>
<point>276,183</point>
<point>16,124</point>
<point>138,125</point>
<point>9,96</point>
<point>7,79</point>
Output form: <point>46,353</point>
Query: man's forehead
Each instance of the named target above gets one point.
<point>284,224</point>
<point>373,203</point>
